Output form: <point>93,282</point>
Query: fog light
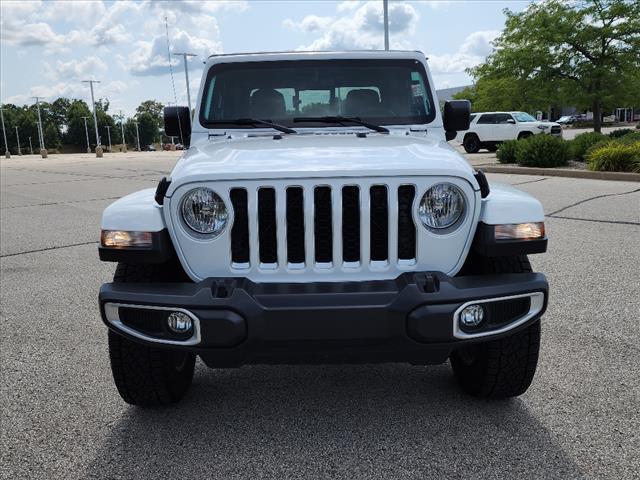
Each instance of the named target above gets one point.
<point>179,322</point>
<point>471,316</point>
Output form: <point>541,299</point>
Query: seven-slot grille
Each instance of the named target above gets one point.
<point>323,226</point>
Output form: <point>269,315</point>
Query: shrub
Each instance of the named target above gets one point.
<point>629,138</point>
<point>507,151</point>
<point>620,132</point>
<point>582,142</point>
<point>542,151</point>
<point>637,126</point>
<point>615,157</point>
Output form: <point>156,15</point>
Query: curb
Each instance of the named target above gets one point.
<point>563,172</point>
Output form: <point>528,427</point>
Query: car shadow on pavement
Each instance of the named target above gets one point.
<point>369,421</point>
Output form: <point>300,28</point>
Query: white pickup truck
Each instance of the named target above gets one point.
<point>320,216</point>
<point>489,129</point>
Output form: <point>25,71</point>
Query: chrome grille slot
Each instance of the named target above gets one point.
<point>323,231</point>
<point>351,223</point>
<point>267,238</point>
<point>240,229</point>
<point>379,222</point>
<point>406,226</point>
<point>295,225</point>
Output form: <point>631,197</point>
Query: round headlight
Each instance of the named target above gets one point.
<point>204,211</point>
<point>441,206</point>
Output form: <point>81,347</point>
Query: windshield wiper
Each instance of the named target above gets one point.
<point>341,120</point>
<point>254,122</point>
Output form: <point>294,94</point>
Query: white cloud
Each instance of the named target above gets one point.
<point>359,26</point>
<point>472,52</point>
<point>150,58</point>
<point>479,43</point>
<point>309,24</point>
<point>77,70</point>
<point>348,5</point>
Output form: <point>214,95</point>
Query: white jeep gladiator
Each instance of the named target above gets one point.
<point>489,129</point>
<point>319,216</point>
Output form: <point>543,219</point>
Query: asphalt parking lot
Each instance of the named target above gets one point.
<point>61,416</point>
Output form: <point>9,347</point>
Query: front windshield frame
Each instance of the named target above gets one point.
<point>414,64</point>
<point>523,117</point>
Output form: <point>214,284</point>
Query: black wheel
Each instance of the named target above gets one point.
<point>148,376</point>
<point>525,135</point>
<point>505,367</point>
<point>471,143</point>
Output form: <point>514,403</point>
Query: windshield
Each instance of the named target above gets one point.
<point>524,117</point>
<point>391,92</point>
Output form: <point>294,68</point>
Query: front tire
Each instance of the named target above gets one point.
<point>471,143</point>
<point>500,368</point>
<point>149,376</point>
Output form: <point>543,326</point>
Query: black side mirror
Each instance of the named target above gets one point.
<point>177,123</point>
<point>456,117</point>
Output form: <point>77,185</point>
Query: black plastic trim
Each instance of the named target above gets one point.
<point>482,183</point>
<point>160,251</point>
<point>407,319</point>
<point>485,244</point>
<point>161,190</point>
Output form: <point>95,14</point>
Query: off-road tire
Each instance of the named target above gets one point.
<point>500,368</point>
<point>148,376</point>
<point>471,143</point>
<point>492,147</point>
<point>524,135</point>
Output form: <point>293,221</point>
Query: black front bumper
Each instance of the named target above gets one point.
<point>409,319</point>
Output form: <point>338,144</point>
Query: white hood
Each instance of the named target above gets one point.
<point>318,155</point>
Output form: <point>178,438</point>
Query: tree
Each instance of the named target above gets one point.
<point>154,109</point>
<point>585,52</point>
<point>75,134</point>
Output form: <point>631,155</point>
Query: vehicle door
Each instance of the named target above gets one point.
<point>484,127</point>
<point>504,127</point>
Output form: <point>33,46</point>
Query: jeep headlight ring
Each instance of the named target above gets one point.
<point>204,212</point>
<point>441,206</point>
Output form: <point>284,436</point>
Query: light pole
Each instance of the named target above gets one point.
<point>43,148</point>
<point>95,118</point>
<point>7,154</point>
<point>30,146</point>
<point>18,140</point>
<point>39,137</point>
<point>137,136</point>
<point>86,131</point>
<point>109,136</point>
<point>124,142</point>
<point>186,75</point>
<point>385,8</point>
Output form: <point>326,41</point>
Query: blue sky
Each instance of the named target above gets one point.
<point>49,47</point>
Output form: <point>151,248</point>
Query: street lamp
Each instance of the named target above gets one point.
<point>7,154</point>
<point>137,136</point>
<point>109,136</point>
<point>43,148</point>
<point>385,10</point>
<point>186,75</point>
<point>95,118</point>
<point>18,140</point>
<point>124,142</point>
<point>86,131</point>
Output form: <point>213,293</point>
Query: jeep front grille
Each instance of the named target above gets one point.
<point>323,226</point>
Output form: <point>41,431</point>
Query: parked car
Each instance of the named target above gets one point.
<point>568,119</point>
<point>488,129</point>
<point>357,235</point>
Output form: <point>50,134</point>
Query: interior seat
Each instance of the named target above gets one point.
<point>361,102</point>
<point>267,103</point>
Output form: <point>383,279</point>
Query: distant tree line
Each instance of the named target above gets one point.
<point>64,129</point>
<point>584,54</point>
